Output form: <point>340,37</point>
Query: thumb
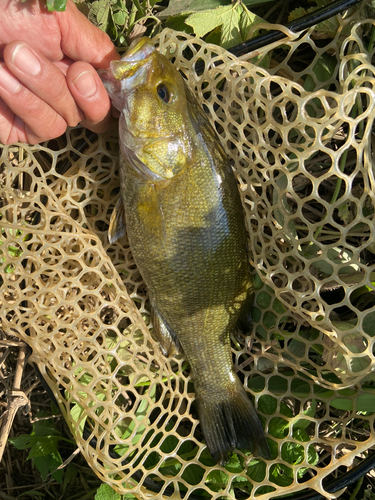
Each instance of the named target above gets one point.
<point>82,41</point>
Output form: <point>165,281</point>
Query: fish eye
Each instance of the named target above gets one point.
<point>164,93</point>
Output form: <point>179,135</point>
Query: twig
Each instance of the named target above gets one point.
<point>68,460</point>
<point>272,9</point>
<point>16,400</point>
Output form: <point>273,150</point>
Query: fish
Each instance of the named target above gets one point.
<point>181,209</point>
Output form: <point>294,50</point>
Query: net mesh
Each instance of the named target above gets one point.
<point>304,161</point>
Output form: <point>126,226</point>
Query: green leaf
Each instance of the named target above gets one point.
<point>105,492</point>
<point>269,319</point>
<point>140,414</point>
<point>176,8</point>
<point>48,464</point>
<point>187,450</point>
<point>326,29</point>
<point>257,282</point>
<point>39,445</point>
<point>58,474</point>
<point>141,11</point>
<point>322,392</point>
<point>197,5</point>
<point>247,20</point>
<point>100,13</point>
<point>301,435</point>
<point>71,472</point>
<point>169,444</point>
<point>76,413</point>
<point>281,475</point>
<point>31,494</point>
<point>193,474</point>
<point>323,69</point>
<point>257,383</point>
<point>278,385</point>
<point>312,455</point>
<point>256,314</point>
<point>292,453</point>
<point>170,467</point>
<point>278,306</point>
<point>297,13</point>
<point>56,5</point>
<point>217,480</point>
<point>45,445</point>
<point>364,402</point>
<point>267,405</point>
<point>297,348</point>
<point>369,324</point>
<point>120,17</point>
<point>302,423</point>
<point>177,23</point>
<point>44,427</point>
<point>208,20</point>
<point>285,410</point>
<point>243,484</point>
<point>354,341</point>
<point>230,30</point>
<point>263,299</point>
<point>278,427</point>
<point>23,442</point>
<point>257,470</point>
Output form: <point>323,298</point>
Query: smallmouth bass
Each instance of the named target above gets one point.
<point>184,219</point>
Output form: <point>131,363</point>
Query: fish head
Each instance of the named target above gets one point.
<point>150,94</point>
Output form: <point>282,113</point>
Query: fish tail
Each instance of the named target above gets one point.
<point>230,422</point>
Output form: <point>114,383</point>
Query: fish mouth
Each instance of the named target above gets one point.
<point>131,70</point>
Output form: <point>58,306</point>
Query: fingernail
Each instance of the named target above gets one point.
<point>25,60</point>
<point>85,84</point>
<point>8,81</point>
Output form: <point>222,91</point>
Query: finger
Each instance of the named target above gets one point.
<point>82,41</point>
<point>6,124</point>
<point>90,95</point>
<point>12,128</point>
<point>64,65</point>
<point>43,78</point>
<point>40,121</point>
<point>30,21</point>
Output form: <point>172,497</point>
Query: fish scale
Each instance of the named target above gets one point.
<point>186,230</point>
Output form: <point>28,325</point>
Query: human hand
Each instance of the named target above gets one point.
<point>47,72</point>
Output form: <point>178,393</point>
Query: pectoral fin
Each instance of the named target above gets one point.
<point>168,340</point>
<point>117,223</point>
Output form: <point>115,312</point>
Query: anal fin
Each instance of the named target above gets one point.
<point>168,340</point>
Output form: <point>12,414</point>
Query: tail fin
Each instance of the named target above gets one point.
<point>230,423</point>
